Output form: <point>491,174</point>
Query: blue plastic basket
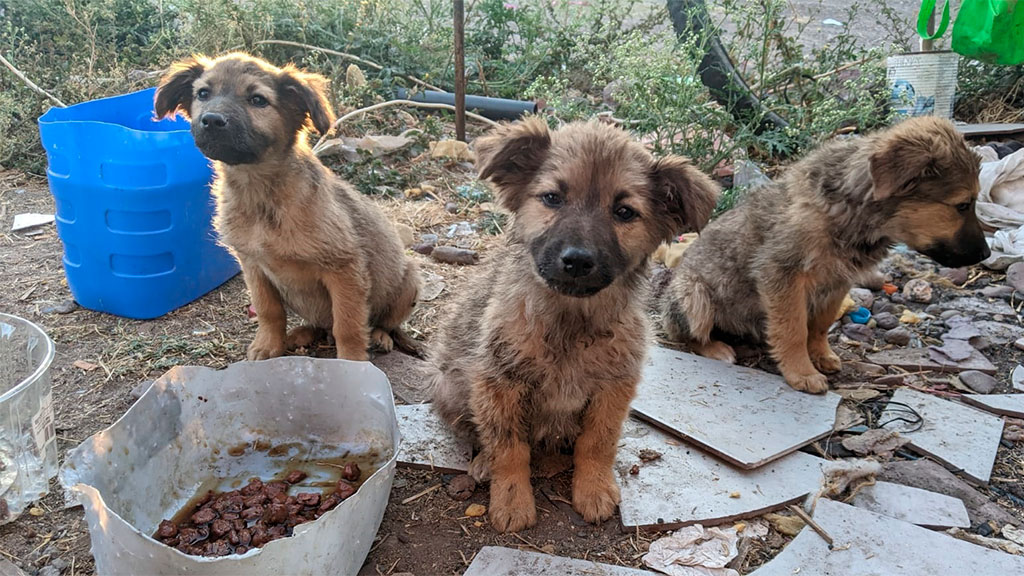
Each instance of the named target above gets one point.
<point>134,208</point>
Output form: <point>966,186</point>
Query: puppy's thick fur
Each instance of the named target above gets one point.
<point>778,266</point>
<point>546,346</point>
<point>306,240</point>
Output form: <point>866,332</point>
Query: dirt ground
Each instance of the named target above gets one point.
<point>429,535</point>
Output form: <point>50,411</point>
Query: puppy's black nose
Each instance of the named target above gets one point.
<point>577,262</point>
<point>213,120</point>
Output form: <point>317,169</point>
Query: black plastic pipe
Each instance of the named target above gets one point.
<point>491,108</point>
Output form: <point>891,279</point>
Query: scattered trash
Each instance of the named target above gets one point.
<point>908,317</point>
<point>451,149</point>
<point>474,192</point>
<point>694,551</point>
<point>846,417</point>
<point>1000,205</point>
<point>890,288</point>
<point>918,290</point>
<point>832,22</point>
<point>861,315</point>
<point>30,220</point>
<point>84,365</point>
<point>748,175</point>
<point>1013,534</point>
<point>433,285</point>
<point>357,149</point>
<point>991,543</point>
<point>453,255</point>
<point>65,307</point>
<point>848,305</point>
<point>476,510</point>
<point>876,441</point>
<point>460,229</point>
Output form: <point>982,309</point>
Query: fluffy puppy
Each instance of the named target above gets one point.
<point>545,347</point>
<point>778,266</point>
<point>306,240</point>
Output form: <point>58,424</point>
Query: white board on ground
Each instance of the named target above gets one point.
<point>498,561</point>
<point>959,436</point>
<point>686,485</point>
<point>869,543</point>
<point>746,416</point>
<point>921,507</point>
<point>1003,404</point>
<point>918,359</point>
<point>427,442</point>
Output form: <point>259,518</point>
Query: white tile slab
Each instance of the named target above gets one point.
<point>959,436</point>
<point>1002,404</point>
<point>686,485</point>
<point>498,561</point>
<point>871,544</point>
<point>921,507</point>
<point>980,306</point>
<point>915,359</point>
<point>746,416</point>
<point>1017,378</point>
<point>428,443</point>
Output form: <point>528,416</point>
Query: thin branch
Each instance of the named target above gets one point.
<point>352,57</point>
<point>30,83</point>
<point>320,143</point>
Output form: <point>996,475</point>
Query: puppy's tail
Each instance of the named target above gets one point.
<point>407,344</point>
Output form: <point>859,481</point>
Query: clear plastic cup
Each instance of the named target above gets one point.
<point>28,446</point>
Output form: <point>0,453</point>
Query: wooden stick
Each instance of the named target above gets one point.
<point>348,56</point>
<point>421,494</point>
<point>30,83</point>
<point>320,143</point>
<point>810,522</point>
<point>460,72</point>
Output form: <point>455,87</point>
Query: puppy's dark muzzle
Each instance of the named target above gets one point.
<point>218,138</point>
<point>964,250</point>
<point>576,272</point>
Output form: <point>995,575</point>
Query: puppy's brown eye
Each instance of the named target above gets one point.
<point>625,213</point>
<point>963,207</point>
<point>551,200</point>
<point>202,94</point>
<point>258,101</point>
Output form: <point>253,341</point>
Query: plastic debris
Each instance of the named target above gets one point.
<point>860,315</point>
<point>694,551</point>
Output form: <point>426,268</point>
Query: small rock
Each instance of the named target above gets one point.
<point>461,487</point>
<point>979,381</point>
<point>140,389</point>
<point>65,307</point>
<point>429,239</point>
<point>957,276</point>
<point>862,296</point>
<point>890,380</point>
<point>452,255</point>
<point>476,510</point>
<point>60,564</point>
<point>886,321</point>
<point>1003,292</point>
<point>897,299</point>
<point>866,368</point>
<point>882,306</point>
<point>933,309</point>
<point>909,317</point>
<point>918,290</point>
<point>49,570</point>
<point>899,336</point>
<point>788,525</point>
<point>1015,276</point>
<point>947,314</point>
<point>423,248</point>
<point>406,234</point>
<point>451,207</point>
<point>859,332</point>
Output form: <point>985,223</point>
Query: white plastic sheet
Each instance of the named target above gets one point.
<point>1001,205</point>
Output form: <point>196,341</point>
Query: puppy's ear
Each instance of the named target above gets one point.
<point>174,94</point>
<point>898,159</point>
<point>304,94</point>
<point>687,195</point>
<point>510,156</point>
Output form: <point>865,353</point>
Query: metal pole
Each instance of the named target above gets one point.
<point>926,45</point>
<point>460,72</point>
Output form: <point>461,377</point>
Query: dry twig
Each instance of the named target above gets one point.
<point>29,83</point>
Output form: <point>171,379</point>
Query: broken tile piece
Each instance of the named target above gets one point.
<point>686,485</point>
<point>745,416</point>
<point>921,507</point>
<point>1002,404</point>
<point>407,374</point>
<point>981,306</point>
<point>957,435</point>
<point>427,442</point>
<point>498,561</point>
<point>916,359</point>
<point>869,543</point>
<point>30,220</point>
<point>1017,378</point>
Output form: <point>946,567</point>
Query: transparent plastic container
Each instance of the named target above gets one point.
<point>28,446</point>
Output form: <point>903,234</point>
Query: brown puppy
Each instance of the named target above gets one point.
<point>779,265</point>
<point>546,347</point>
<point>306,240</point>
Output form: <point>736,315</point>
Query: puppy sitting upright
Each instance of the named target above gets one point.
<point>546,347</point>
<point>306,240</point>
<point>780,264</point>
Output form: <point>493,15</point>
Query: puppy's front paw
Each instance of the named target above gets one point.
<point>264,346</point>
<point>827,361</point>
<point>512,506</point>
<point>716,350</point>
<point>381,341</point>
<point>595,496</point>
<point>480,468</point>
<point>815,382</point>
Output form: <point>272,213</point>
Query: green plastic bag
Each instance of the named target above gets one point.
<point>988,30</point>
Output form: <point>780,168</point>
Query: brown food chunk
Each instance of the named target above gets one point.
<point>218,548</point>
<point>275,513</point>
<point>274,488</point>
<point>167,529</point>
<point>204,516</point>
<point>259,537</point>
<point>252,513</point>
<point>220,527</point>
<point>308,498</point>
<point>280,498</point>
<point>254,500</point>
<point>244,537</point>
<point>328,503</point>
<point>254,487</point>
<point>351,472</point>
<point>241,549</point>
<point>344,489</point>
<point>295,476</point>
<point>233,538</point>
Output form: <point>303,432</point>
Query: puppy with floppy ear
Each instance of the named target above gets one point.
<point>544,348</point>
<point>306,240</point>
<point>777,266</point>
